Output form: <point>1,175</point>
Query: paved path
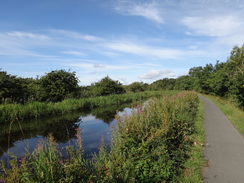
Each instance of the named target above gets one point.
<point>225,147</point>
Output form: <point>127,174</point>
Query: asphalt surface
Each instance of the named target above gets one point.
<point>224,147</point>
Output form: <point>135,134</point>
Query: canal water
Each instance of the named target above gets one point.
<point>22,137</point>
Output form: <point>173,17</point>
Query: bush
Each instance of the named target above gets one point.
<point>151,144</point>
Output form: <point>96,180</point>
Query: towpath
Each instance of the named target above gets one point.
<point>225,147</point>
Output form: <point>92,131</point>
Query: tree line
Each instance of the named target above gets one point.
<point>224,79</point>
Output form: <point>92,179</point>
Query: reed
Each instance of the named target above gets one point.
<point>17,112</point>
<point>150,145</point>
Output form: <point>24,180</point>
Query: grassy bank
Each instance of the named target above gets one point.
<point>235,115</point>
<point>193,166</point>
<point>152,144</point>
<point>17,112</point>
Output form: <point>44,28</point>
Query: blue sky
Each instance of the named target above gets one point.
<point>128,40</point>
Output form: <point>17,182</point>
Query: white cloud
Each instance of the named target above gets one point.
<point>140,50</point>
<point>150,10</point>
<point>19,44</point>
<point>77,53</point>
<point>213,26</point>
<point>27,35</point>
<point>98,66</point>
<point>152,74</point>
<point>74,35</point>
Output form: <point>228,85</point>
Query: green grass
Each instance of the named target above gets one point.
<point>193,166</point>
<point>234,114</point>
<point>17,112</point>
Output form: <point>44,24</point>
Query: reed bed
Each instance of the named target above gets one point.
<point>17,112</point>
<point>150,145</point>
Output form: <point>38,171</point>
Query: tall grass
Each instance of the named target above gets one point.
<point>150,145</point>
<point>192,172</point>
<point>17,112</point>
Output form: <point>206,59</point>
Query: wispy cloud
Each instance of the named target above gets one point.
<point>215,26</point>
<point>27,35</point>
<point>152,74</point>
<point>142,50</point>
<point>103,67</point>
<point>149,10</point>
<point>76,53</point>
<point>74,35</point>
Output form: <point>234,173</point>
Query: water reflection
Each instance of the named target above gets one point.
<point>21,136</point>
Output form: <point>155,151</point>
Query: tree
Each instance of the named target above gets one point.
<point>107,86</point>
<point>59,84</point>
<point>11,88</point>
<point>136,87</point>
<point>235,69</point>
<point>184,83</point>
<point>163,84</point>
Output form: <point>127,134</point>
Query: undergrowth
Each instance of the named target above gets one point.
<point>18,112</point>
<point>150,145</point>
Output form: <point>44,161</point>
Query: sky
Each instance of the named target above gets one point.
<point>127,40</point>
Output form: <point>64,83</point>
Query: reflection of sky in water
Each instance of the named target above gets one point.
<point>92,131</point>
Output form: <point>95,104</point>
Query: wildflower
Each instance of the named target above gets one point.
<point>102,139</point>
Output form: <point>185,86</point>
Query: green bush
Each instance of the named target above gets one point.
<point>151,144</point>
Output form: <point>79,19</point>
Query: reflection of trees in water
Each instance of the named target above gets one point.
<point>62,127</point>
<point>107,114</point>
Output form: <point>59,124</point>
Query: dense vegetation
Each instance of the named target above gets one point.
<point>18,112</point>
<point>222,79</point>
<point>151,145</point>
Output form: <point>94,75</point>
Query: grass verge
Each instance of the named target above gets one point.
<point>193,166</point>
<point>234,114</point>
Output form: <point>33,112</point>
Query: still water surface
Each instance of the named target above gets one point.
<point>18,138</point>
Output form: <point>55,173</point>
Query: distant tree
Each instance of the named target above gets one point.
<point>163,84</point>
<point>136,87</point>
<point>202,78</point>
<point>107,86</point>
<point>59,84</point>
<point>234,67</point>
<point>35,91</point>
<point>11,88</point>
<point>184,83</point>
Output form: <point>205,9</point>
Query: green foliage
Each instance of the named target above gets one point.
<point>192,172</point>
<point>136,87</point>
<point>151,145</point>
<point>59,84</point>
<point>11,88</point>
<point>163,84</point>
<point>222,79</point>
<point>54,86</point>
<point>17,112</point>
<point>107,86</point>
<point>184,83</point>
